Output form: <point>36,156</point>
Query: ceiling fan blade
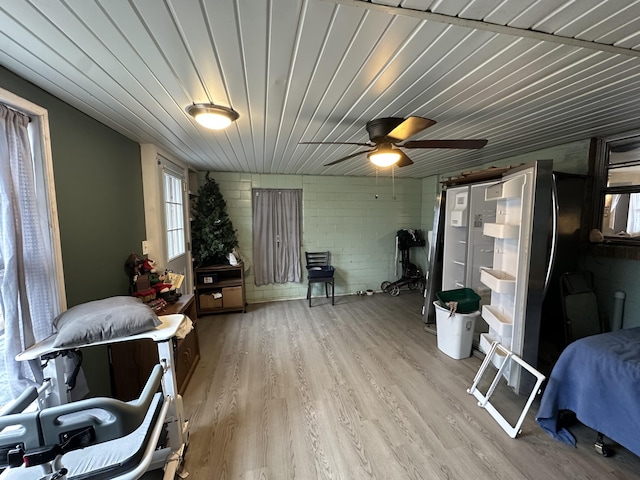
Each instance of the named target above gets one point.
<point>409,127</point>
<point>337,143</point>
<point>348,157</point>
<point>404,161</point>
<point>445,144</point>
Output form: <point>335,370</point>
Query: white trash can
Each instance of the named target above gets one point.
<point>455,332</point>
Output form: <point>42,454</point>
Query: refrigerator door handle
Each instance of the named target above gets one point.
<point>554,234</point>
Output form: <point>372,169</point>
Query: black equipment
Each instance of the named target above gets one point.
<point>412,277</point>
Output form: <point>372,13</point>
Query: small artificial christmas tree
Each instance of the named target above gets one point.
<point>212,234</point>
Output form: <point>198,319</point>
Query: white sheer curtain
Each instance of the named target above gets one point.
<point>633,217</point>
<point>27,296</point>
<point>276,235</point>
<point>615,200</point>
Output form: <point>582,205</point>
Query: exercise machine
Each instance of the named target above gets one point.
<point>96,438</point>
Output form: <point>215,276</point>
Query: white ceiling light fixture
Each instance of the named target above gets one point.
<point>384,156</point>
<point>212,116</point>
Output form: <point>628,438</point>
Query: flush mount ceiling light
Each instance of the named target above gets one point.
<point>384,156</point>
<point>212,116</point>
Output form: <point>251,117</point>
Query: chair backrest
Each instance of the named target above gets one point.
<point>317,259</point>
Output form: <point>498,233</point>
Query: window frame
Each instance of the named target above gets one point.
<point>46,199</point>
<point>601,190</point>
<point>43,168</point>
<point>276,241</point>
<point>174,210</point>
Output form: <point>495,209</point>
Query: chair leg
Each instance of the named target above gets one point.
<point>326,289</point>
<point>309,293</point>
<point>332,290</point>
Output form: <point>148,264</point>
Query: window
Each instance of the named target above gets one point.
<point>174,213</point>
<point>31,277</point>
<point>277,216</point>
<point>618,188</point>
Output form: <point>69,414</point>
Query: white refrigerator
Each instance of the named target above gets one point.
<point>497,237</point>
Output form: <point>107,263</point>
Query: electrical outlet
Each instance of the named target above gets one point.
<point>145,247</point>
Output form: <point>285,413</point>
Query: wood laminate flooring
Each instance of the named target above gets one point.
<point>357,391</point>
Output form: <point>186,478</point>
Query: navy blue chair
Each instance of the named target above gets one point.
<point>319,270</point>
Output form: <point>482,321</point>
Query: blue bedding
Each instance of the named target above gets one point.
<point>597,378</point>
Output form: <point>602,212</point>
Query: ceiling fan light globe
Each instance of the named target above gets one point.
<point>212,116</point>
<point>384,159</point>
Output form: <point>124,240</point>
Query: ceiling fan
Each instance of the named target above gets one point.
<point>385,135</point>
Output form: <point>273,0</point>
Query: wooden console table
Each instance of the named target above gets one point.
<point>220,288</point>
<point>131,362</point>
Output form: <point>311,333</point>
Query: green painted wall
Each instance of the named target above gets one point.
<point>99,192</point>
<point>98,181</point>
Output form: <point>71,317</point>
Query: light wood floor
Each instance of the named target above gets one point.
<point>357,391</point>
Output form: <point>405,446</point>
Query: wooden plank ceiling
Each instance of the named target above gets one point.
<point>524,74</point>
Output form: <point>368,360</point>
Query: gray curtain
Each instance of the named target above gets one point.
<point>277,214</point>
<point>26,299</point>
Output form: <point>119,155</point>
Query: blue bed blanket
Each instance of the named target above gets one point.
<point>597,378</point>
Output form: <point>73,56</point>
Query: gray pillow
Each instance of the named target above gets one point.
<point>102,320</point>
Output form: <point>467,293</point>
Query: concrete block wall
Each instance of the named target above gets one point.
<point>355,218</point>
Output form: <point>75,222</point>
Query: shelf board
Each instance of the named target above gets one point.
<point>497,320</point>
<point>498,281</point>
<point>234,282</point>
<point>501,230</point>
<point>217,268</point>
<point>500,191</point>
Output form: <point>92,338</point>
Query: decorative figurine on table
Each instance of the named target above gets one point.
<point>145,282</point>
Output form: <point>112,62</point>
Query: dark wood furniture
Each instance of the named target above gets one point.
<point>131,362</point>
<point>220,288</point>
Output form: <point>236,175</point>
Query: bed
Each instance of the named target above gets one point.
<point>597,378</point>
